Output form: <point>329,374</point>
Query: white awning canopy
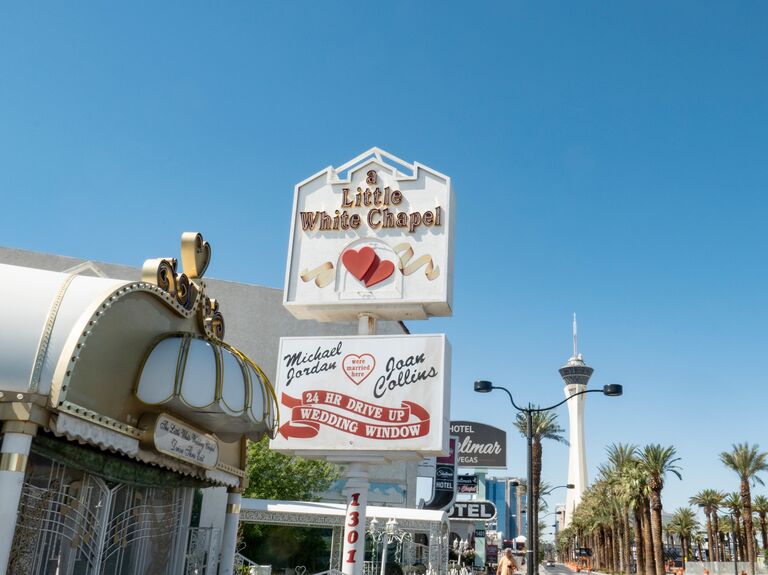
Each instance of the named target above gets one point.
<point>40,309</point>
<point>107,351</point>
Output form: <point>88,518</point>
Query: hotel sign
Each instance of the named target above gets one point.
<point>444,486</point>
<point>467,484</point>
<point>472,510</point>
<point>374,236</point>
<point>480,445</point>
<point>370,393</point>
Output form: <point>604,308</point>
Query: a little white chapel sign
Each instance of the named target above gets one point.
<point>373,235</point>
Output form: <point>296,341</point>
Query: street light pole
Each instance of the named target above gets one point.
<point>530,554</point>
<point>387,539</point>
<point>734,531</point>
<point>566,486</point>
<point>482,386</point>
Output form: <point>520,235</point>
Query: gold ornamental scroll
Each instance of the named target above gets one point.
<point>322,274</point>
<point>195,254</point>
<point>405,254</point>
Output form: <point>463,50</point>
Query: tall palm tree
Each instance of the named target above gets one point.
<point>760,506</point>
<point>747,461</point>
<point>657,461</point>
<point>732,502</point>
<point>698,538</point>
<point>635,483</point>
<point>545,426</point>
<point>709,500</point>
<point>621,457</point>
<point>726,529</point>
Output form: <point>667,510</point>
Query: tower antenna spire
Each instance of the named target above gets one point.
<point>575,339</point>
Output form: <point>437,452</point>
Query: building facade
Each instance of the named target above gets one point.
<point>127,396</point>
<point>510,500</point>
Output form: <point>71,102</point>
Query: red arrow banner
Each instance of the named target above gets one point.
<point>309,412</point>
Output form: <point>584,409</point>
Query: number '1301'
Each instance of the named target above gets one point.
<point>353,520</point>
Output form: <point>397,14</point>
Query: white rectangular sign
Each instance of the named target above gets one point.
<point>183,442</point>
<point>383,394</point>
<point>427,467</point>
<point>373,235</point>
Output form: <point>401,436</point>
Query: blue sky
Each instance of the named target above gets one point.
<point>607,159</point>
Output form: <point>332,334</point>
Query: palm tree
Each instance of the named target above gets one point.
<point>669,531</point>
<point>699,539</point>
<point>545,426</point>
<point>760,506</point>
<point>732,502</point>
<point>657,461</point>
<point>709,500</point>
<point>621,457</point>
<point>684,523</point>
<point>747,461</point>
<point>726,529</point>
<point>635,484</point>
<point>593,516</point>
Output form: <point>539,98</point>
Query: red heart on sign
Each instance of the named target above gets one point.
<point>366,266</point>
<point>382,272</point>
<point>359,262</point>
<point>358,367</point>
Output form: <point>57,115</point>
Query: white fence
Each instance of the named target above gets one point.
<point>722,568</point>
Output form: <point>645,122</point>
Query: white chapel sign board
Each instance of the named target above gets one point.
<point>387,395</point>
<point>370,237</point>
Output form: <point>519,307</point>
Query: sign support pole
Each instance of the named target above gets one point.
<point>480,541</point>
<point>356,491</point>
<point>353,552</point>
<point>366,324</point>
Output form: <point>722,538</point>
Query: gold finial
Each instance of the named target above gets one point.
<point>188,288</point>
<point>195,254</point>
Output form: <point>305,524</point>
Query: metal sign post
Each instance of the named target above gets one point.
<point>353,553</point>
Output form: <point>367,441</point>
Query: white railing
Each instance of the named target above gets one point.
<point>244,566</point>
<point>722,568</point>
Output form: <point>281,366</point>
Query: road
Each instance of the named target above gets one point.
<point>556,569</point>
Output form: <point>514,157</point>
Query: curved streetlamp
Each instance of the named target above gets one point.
<point>566,486</point>
<point>483,386</point>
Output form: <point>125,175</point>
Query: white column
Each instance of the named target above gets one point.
<point>229,535</point>
<point>13,463</point>
<point>356,490</point>
<point>435,561</point>
<point>336,536</point>
<point>577,455</point>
